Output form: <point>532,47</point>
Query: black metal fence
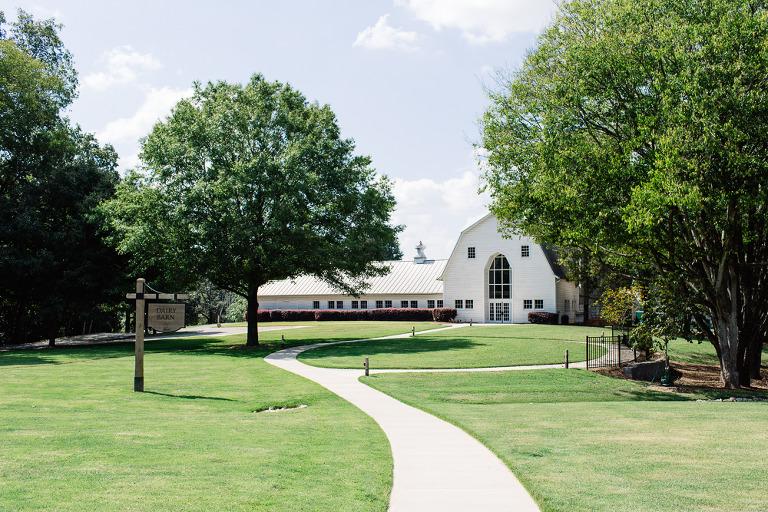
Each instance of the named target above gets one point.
<point>605,351</point>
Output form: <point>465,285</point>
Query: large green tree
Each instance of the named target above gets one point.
<point>639,129</point>
<point>54,264</point>
<point>249,183</point>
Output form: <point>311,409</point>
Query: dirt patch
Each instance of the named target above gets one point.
<point>694,376</point>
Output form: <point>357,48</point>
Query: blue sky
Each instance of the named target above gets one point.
<point>405,78</point>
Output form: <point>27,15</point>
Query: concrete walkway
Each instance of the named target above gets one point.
<point>437,466</point>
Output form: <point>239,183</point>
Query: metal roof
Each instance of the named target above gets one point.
<point>404,277</point>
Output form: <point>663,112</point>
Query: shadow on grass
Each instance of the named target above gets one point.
<point>190,397</point>
<point>650,395</point>
<point>398,346</point>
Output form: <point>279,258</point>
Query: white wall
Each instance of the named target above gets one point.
<point>267,302</point>
<point>466,278</point>
<point>569,291</point>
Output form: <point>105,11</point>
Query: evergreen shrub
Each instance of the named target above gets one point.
<point>542,317</point>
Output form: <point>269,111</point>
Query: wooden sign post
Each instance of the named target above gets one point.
<point>140,296</point>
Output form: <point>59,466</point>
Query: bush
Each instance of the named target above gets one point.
<point>444,314</point>
<point>542,317</point>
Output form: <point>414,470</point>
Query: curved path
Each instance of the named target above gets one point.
<point>437,466</point>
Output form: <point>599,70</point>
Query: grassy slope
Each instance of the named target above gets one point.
<point>466,347</point>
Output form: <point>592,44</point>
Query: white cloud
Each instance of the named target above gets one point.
<point>483,21</point>
<point>435,213</point>
<point>382,36</point>
<point>125,133</point>
<point>123,65</point>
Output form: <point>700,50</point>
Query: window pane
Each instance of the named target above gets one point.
<point>339,304</point>
<point>469,304</point>
<point>387,303</point>
<point>363,304</point>
<point>379,303</point>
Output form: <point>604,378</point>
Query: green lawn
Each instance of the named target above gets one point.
<point>579,441</point>
<point>466,347</point>
<point>74,436</point>
<point>700,353</point>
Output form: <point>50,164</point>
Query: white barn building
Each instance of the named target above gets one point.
<point>488,279</point>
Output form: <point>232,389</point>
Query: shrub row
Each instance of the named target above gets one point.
<point>381,314</point>
<point>542,317</point>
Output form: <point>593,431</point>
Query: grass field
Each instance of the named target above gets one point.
<point>466,347</point>
<point>74,436</point>
<point>580,441</point>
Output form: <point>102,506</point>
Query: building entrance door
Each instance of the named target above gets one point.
<point>498,312</point>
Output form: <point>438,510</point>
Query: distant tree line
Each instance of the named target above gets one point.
<point>57,274</point>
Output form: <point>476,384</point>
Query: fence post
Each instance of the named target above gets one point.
<point>587,340</point>
<point>566,359</point>
<point>618,348</point>
<point>366,367</point>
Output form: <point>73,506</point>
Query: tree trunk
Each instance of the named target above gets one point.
<point>252,339</point>
<point>753,359</point>
<point>53,327</point>
<point>726,328</point>
<point>587,291</point>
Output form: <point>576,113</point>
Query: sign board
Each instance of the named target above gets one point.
<point>165,317</point>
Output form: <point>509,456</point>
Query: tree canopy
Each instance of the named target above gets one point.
<point>639,129</point>
<point>249,183</point>
<point>54,264</point>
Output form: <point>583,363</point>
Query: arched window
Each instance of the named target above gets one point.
<point>499,279</point>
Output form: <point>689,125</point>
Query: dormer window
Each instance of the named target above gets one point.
<point>525,251</point>
<point>470,252</point>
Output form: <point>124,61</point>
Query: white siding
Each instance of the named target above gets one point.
<point>279,302</point>
<point>568,291</point>
<point>466,278</point>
